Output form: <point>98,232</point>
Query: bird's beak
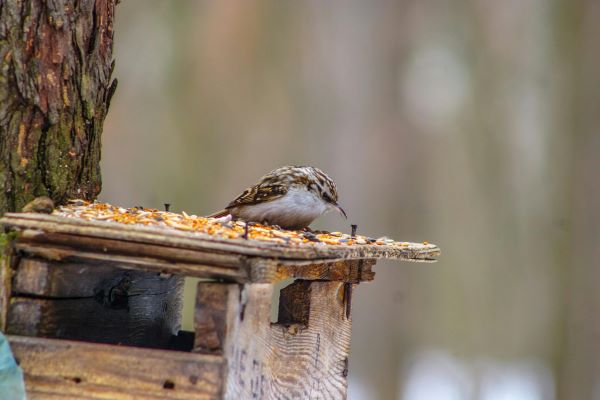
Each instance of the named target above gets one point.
<point>339,209</point>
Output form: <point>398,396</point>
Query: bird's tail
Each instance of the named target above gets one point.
<point>219,214</point>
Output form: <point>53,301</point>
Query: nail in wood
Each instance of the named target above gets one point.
<point>245,235</point>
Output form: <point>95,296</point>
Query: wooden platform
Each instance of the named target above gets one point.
<point>78,295</point>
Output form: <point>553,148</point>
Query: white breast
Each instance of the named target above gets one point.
<point>297,209</point>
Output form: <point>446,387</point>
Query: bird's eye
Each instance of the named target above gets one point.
<point>327,198</point>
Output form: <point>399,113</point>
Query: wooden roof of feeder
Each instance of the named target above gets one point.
<point>185,244</point>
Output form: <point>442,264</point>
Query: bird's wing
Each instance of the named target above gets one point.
<point>218,214</point>
<point>260,193</point>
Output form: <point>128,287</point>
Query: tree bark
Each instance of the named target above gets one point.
<point>55,89</point>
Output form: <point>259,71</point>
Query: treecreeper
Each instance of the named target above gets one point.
<point>290,197</point>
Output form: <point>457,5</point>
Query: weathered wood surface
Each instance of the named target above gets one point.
<point>190,262</point>
<point>214,313</point>
<point>94,303</point>
<point>346,270</point>
<point>303,355</point>
<point>59,369</point>
<point>5,277</point>
<point>304,358</point>
<point>275,361</point>
<point>133,261</point>
<point>49,224</point>
<point>294,304</point>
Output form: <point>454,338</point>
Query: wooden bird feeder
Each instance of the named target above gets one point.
<point>92,309</point>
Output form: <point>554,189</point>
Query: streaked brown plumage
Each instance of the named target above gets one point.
<point>291,197</point>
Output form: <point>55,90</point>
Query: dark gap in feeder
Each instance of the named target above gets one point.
<point>97,303</point>
<point>277,286</point>
<point>294,304</point>
<point>183,341</point>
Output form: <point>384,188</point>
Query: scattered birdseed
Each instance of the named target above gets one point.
<point>217,227</point>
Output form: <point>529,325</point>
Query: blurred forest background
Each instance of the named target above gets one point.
<point>473,125</point>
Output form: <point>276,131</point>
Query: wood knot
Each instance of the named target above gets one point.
<point>114,295</point>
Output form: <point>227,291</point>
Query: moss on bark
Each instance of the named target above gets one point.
<point>55,89</point>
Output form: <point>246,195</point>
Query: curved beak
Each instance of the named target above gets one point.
<point>339,209</point>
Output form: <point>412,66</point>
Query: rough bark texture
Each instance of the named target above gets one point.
<point>55,89</point>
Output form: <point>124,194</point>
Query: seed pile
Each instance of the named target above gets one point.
<point>217,227</point>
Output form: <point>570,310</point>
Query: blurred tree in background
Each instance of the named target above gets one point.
<point>469,124</point>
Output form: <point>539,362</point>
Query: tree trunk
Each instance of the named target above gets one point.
<point>55,89</point>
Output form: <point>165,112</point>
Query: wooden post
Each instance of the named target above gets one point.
<point>217,305</point>
<point>303,355</point>
<point>5,277</point>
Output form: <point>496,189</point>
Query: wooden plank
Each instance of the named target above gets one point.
<point>262,270</point>
<point>113,246</point>
<point>345,270</point>
<point>87,319</point>
<point>32,276</point>
<point>6,258</point>
<point>294,304</point>
<point>254,269</point>
<point>43,278</point>
<point>59,369</point>
<point>95,303</point>
<point>204,242</point>
<point>152,235</point>
<point>276,361</point>
<point>140,262</point>
<point>213,315</point>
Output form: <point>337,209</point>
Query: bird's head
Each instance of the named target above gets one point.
<point>325,189</point>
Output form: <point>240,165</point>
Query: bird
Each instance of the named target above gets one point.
<point>290,197</point>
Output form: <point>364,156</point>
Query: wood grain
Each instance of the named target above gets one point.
<point>121,247</point>
<point>5,279</point>
<point>345,270</point>
<point>140,262</point>
<point>252,269</point>
<point>197,241</point>
<point>59,369</point>
<point>294,304</point>
<point>95,303</point>
<point>289,361</point>
<point>64,261</point>
<point>213,315</point>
